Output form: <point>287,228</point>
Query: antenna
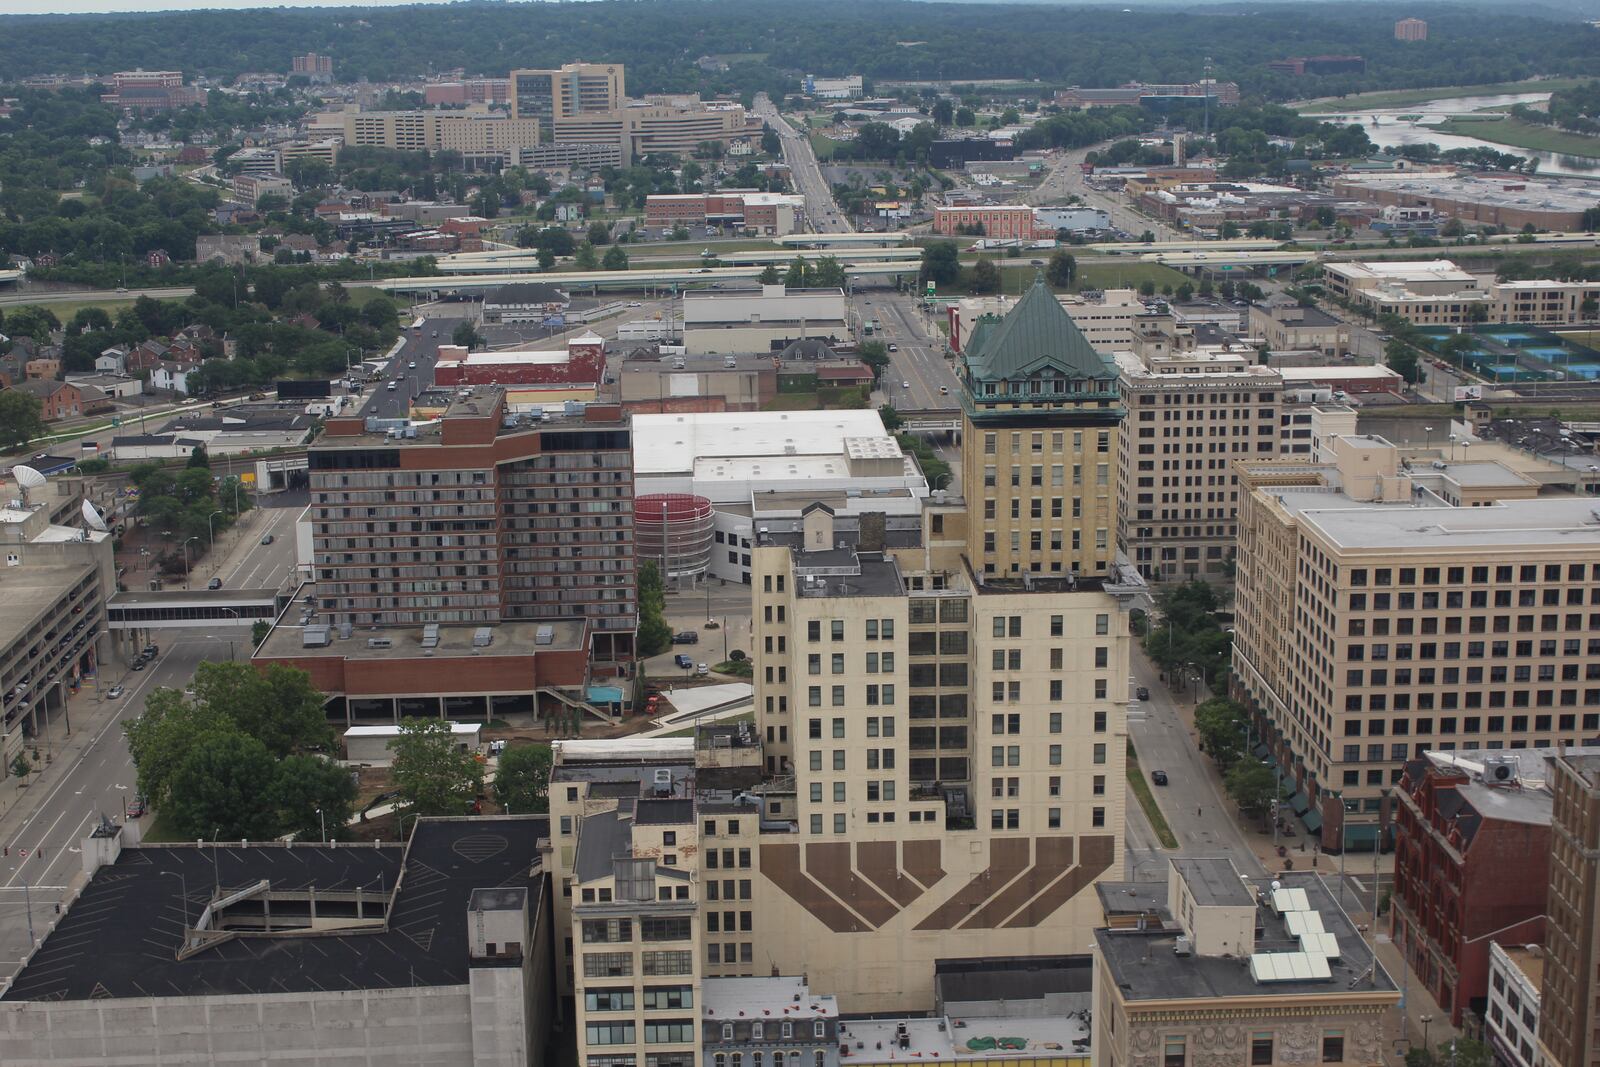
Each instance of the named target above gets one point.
<point>27,478</point>
<point>92,516</point>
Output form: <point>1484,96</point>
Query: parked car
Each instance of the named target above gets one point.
<point>267,540</point>
<point>136,807</point>
<point>114,692</point>
<point>702,669</point>
<point>1158,777</point>
<point>687,637</point>
<point>894,348</point>
<point>137,665</point>
<point>684,662</point>
<point>215,583</point>
<point>151,650</point>
<point>1142,693</point>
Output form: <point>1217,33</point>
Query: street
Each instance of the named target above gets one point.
<point>918,378</point>
<point>803,168</point>
<point>1066,179</point>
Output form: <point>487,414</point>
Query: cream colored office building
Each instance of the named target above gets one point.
<point>1192,412</point>
<point>574,89</point>
<point>478,133</point>
<point>641,130</point>
<point>1389,604</point>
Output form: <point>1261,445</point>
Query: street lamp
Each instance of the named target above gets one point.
<point>211,531</point>
<point>1425,1020</point>
<point>186,560</point>
<point>1428,430</point>
<point>323,820</point>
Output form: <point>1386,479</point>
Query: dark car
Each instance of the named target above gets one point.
<point>151,650</point>
<point>683,662</point>
<point>138,665</point>
<point>136,807</point>
<point>267,540</point>
<point>687,637</point>
<point>1142,693</point>
<point>1158,777</point>
<point>215,583</point>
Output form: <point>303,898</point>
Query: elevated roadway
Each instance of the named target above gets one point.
<point>624,279</point>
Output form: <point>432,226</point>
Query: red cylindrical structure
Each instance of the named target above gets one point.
<point>674,531</point>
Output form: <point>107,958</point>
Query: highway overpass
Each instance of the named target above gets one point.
<point>842,240</point>
<point>1214,259</point>
<point>624,279</point>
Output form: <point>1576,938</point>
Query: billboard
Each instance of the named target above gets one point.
<point>1468,392</point>
<point>304,390</point>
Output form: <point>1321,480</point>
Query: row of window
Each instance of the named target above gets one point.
<point>654,998</point>
<point>664,1032</point>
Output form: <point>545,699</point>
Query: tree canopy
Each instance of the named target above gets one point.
<point>430,772</point>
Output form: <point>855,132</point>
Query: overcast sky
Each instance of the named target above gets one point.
<point>84,7</point>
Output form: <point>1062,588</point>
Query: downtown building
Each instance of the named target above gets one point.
<point>479,557</point>
<point>1388,605</point>
<point>1569,1008</point>
<point>934,771</point>
<point>574,89</point>
<point>481,135</point>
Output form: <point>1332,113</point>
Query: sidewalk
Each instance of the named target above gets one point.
<point>58,752</point>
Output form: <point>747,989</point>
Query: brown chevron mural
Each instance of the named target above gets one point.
<point>855,889</point>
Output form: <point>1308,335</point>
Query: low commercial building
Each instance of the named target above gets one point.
<point>436,950</point>
<point>1002,221</point>
<point>772,214</point>
<point>250,188</point>
<point>480,134</point>
<point>697,383</point>
<point>767,319</point>
<point>1439,293</point>
<point>1427,577</point>
<point>53,635</point>
<point>526,302</point>
<point>1132,94</point>
<point>372,745</point>
<point>1234,970</point>
<point>151,90</point>
<point>1343,378</point>
<point>849,87</point>
<point>760,470</point>
<point>529,376</point>
<point>1511,1023</point>
<point>1462,820</point>
<point>467,91</point>
<point>121,386</point>
<point>1486,200</point>
<point>1288,325</point>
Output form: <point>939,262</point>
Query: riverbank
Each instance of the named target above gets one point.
<point>1518,134</point>
<point>1403,97</point>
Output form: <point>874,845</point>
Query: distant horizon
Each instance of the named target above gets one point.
<point>146,7</point>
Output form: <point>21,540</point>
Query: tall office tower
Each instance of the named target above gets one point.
<point>1041,413</point>
<point>1569,1010</point>
<point>574,89</point>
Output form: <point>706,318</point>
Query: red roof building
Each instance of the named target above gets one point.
<point>582,363</point>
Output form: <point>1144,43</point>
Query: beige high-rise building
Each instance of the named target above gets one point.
<point>1569,1009</point>
<point>477,132</point>
<point>574,89</point>
<point>1388,605</point>
<point>1040,417</point>
<point>1191,412</point>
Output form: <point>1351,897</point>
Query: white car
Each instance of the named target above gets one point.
<point>634,304</point>
<point>412,365</point>
<point>114,692</point>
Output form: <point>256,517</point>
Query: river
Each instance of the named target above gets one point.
<point>1411,125</point>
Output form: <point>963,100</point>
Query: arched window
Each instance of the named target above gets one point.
<point>818,1059</point>
<point>757,1059</point>
<point>720,1059</point>
<point>737,1060</point>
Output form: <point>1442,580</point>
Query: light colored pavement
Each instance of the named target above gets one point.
<point>920,357</point>
<point>1065,179</point>
<point>804,169</point>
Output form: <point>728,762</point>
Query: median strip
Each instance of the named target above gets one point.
<point>1147,800</point>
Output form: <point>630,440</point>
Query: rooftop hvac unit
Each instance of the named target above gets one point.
<point>1182,947</point>
<point>544,635</point>
<point>482,637</point>
<point>663,782</point>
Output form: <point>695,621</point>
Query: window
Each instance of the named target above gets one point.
<point>609,1033</point>
<point>1175,1052</point>
<point>1261,1049</point>
<point>1333,1046</point>
<point>667,962</point>
<point>607,964</point>
<point>601,931</point>
<point>608,1000</point>
<point>669,1032</point>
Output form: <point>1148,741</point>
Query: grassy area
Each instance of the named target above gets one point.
<point>1147,801</point>
<point>1096,274</point>
<point>157,829</point>
<point>736,668</point>
<point>1583,337</point>
<point>1519,134</point>
<point>65,310</point>
<point>793,402</point>
<point>824,146</point>
<point>1402,97</point>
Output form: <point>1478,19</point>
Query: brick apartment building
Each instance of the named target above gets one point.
<point>1411,30</point>
<point>151,90</point>
<point>1009,221</point>
<point>1462,821</point>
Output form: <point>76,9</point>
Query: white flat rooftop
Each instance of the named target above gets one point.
<point>668,444</point>
<point>765,998</point>
<point>1542,522</point>
<point>458,729</point>
<point>939,1040</point>
<point>1314,374</point>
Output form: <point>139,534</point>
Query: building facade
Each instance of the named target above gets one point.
<point>1191,413</point>
<point>1511,1024</point>
<point>478,133</point>
<point>1041,418</point>
<point>574,89</point>
<point>1003,221</point>
<point>1386,602</point>
<point>641,129</point>
<point>1569,1008</point>
<point>1411,30</point>
<point>1288,326</point>
<point>1461,822</point>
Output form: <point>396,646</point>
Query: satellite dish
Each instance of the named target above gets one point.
<point>27,478</point>
<point>91,515</point>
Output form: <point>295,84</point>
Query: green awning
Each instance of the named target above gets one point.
<point>1300,803</point>
<point>1313,821</point>
<point>1364,833</point>
<point>1287,788</point>
<point>1261,750</point>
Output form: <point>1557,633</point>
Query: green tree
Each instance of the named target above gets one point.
<point>259,631</point>
<point>985,277</point>
<point>466,335</point>
<point>20,767</point>
<point>798,275</point>
<point>20,420</point>
<point>218,788</point>
<point>430,772</point>
<point>891,418</point>
<point>829,273</point>
<point>1220,724</point>
<point>944,112</point>
<point>1147,288</point>
<point>941,263</point>
<point>770,275</point>
<point>966,117</point>
<point>161,739</point>
<point>278,706</point>
<point>1252,787</point>
<point>1185,293</point>
<point>585,258</point>
<point>522,781</point>
<point>1062,270</point>
<point>31,320</point>
<point>1402,359</point>
<point>874,354</point>
<point>380,313</point>
<point>301,785</point>
<point>655,635</point>
<point>599,234</point>
<point>199,459</point>
<point>615,259</point>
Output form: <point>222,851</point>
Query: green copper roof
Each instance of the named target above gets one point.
<point>1038,332</point>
